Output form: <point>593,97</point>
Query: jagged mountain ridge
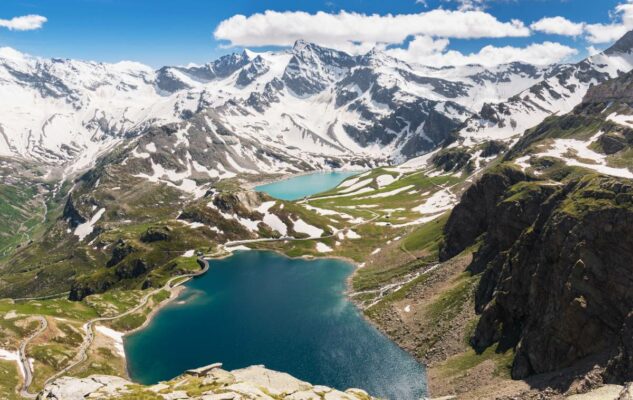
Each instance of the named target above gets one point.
<point>308,101</point>
<point>562,88</point>
<point>301,109</point>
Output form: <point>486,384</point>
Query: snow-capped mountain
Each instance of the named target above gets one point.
<point>58,110</point>
<point>305,107</point>
<point>335,104</point>
<point>562,88</point>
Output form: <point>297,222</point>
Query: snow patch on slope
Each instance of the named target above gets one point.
<point>85,229</point>
<point>301,226</point>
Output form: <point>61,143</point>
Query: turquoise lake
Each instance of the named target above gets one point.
<point>305,185</point>
<point>291,315</point>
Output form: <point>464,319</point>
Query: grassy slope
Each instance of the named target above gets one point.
<point>131,210</point>
<point>56,347</point>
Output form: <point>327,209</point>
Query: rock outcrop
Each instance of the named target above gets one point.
<point>453,160</point>
<point>155,234</point>
<point>556,269</point>
<point>71,214</point>
<point>476,213</point>
<point>255,382</point>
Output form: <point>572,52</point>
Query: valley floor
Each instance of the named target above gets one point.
<point>389,221</point>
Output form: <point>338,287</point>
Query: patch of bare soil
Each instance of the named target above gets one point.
<point>406,322</point>
<point>433,322</point>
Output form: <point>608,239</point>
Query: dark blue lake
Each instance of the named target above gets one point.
<point>291,315</point>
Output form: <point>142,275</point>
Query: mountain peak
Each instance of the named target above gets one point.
<point>300,45</point>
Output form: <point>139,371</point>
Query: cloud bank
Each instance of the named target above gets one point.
<point>558,26</point>
<point>427,51</point>
<point>283,28</point>
<point>23,23</point>
<point>424,37</point>
<point>622,22</point>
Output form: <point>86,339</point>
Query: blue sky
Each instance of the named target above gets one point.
<point>168,32</point>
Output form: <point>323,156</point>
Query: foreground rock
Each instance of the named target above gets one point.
<point>213,383</point>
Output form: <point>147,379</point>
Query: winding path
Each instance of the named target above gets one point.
<point>24,362</point>
<point>393,287</point>
<point>81,355</point>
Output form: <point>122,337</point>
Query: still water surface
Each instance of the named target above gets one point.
<point>291,315</point>
<point>305,185</point>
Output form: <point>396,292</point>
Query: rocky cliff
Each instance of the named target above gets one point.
<point>207,383</point>
<point>556,270</point>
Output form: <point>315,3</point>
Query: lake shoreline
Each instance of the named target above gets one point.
<point>386,349</point>
<point>176,291</point>
<point>347,292</point>
<point>252,184</point>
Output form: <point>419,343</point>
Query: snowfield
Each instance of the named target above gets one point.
<point>439,202</point>
<point>577,153</point>
<point>272,220</point>
<point>323,248</point>
<point>303,227</point>
<point>116,337</point>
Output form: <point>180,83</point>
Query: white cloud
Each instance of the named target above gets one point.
<point>431,30</point>
<point>558,26</point>
<point>419,49</point>
<point>604,33</point>
<point>600,33</point>
<point>23,23</point>
<point>622,17</point>
<point>427,51</point>
<point>339,30</point>
<point>592,51</point>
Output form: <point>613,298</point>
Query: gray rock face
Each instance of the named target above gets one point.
<point>67,388</point>
<point>312,68</point>
<point>448,89</point>
<point>620,368</point>
<point>261,101</point>
<point>492,148</point>
<point>226,65</point>
<point>167,81</point>
<point>363,78</point>
<point>252,71</point>
<point>418,126</point>
<point>71,214</point>
<point>618,90</point>
<point>476,212</point>
<point>46,83</point>
<point>623,45</point>
<point>515,68</point>
<point>454,159</point>
<point>555,265</point>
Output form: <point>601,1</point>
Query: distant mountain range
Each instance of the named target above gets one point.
<point>308,107</point>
